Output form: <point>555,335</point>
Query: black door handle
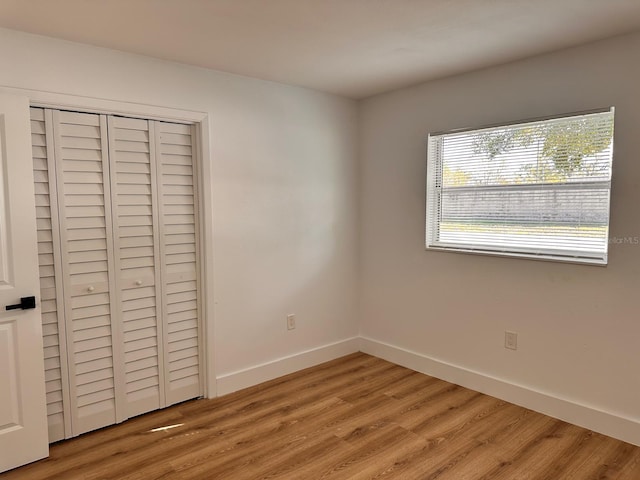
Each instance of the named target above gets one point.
<point>25,304</point>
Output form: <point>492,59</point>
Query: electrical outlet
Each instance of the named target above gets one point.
<point>291,321</point>
<point>511,340</point>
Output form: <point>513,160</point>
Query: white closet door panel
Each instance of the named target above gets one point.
<point>185,352</point>
<point>91,333</point>
<point>178,190</point>
<point>138,252</point>
<point>77,266</point>
<point>92,322</point>
<point>48,282</point>
<point>74,131</point>
<point>181,244</point>
<point>45,235</point>
<point>177,138</point>
<point>133,168</point>
<point>83,166</point>
<point>179,169</point>
<point>76,119</point>
<point>179,335</point>
<point>135,199</point>
<point>143,354</point>
<point>141,373</point>
<point>177,347</point>
<point>132,146</point>
<point>134,315</point>
<point>128,189</point>
<point>40,176</point>
<point>94,360</point>
<point>136,364</point>
<point>98,298</point>
<point>100,361</point>
<point>82,234</point>
<point>93,336</point>
<point>136,243</point>
<point>91,312</point>
<point>83,256</point>
<point>50,287</point>
<point>139,210</point>
<point>86,223</point>
<point>87,189</point>
<point>142,302</point>
<point>126,178</point>
<point>45,250</point>
<point>134,281</point>
<point>178,228</point>
<point>91,376</point>
<point>179,317</point>
<point>74,153</point>
<point>147,344</point>
<point>179,179</point>
<point>55,398</point>
<point>85,200</point>
<point>139,125</point>
<point>135,221</point>
<point>91,344</point>
<point>141,323</point>
<point>117,232</point>
<point>38,129</point>
<point>134,133</point>
<point>94,385</point>
<point>82,211</point>
<point>43,224</point>
<point>180,208</point>
<point>143,334</point>
<point>94,397</point>
<point>141,291</point>
<point>179,260</point>
<point>136,264</point>
<point>183,286</point>
<point>180,298</point>
<point>181,150</point>
<point>87,144</point>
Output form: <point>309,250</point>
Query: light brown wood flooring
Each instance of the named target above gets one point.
<point>357,417</point>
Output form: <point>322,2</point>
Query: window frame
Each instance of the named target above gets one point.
<point>431,225</point>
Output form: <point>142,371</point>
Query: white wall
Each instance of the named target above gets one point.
<point>284,162</point>
<point>446,313</point>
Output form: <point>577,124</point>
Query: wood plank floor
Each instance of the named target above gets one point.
<point>357,417</point>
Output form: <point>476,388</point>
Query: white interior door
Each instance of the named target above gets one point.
<point>23,417</point>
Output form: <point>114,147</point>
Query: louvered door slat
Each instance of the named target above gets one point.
<point>93,343</point>
<point>177,205</point>
<point>131,154</point>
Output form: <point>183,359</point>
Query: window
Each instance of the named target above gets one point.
<point>537,189</point>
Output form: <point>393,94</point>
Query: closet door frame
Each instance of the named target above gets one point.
<point>204,205</point>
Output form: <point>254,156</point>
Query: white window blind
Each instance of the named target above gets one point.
<point>537,189</point>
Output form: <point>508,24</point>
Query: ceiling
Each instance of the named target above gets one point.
<point>354,48</point>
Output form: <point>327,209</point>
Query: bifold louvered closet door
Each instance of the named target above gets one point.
<point>117,229</point>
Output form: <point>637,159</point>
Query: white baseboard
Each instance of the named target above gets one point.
<point>248,377</point>
<point>607,423</point>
